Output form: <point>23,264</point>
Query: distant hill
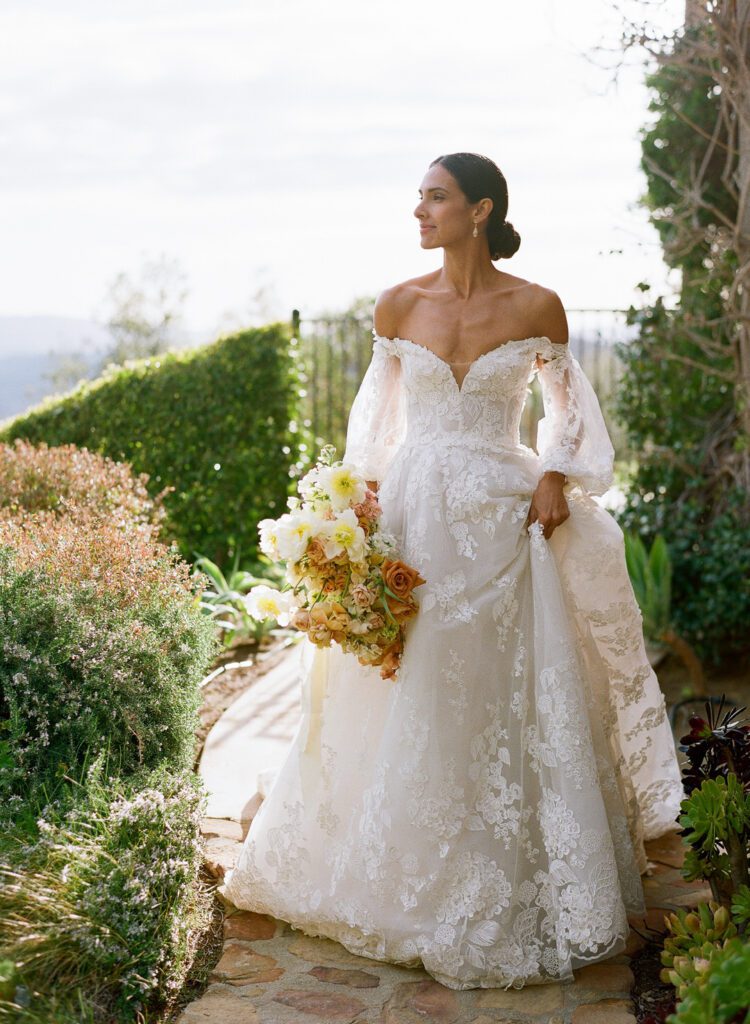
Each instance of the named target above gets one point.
<point>43,334</point>
<point>30,347</point>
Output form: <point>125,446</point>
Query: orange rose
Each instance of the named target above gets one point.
<point>400,577</point>
<point>334,583</point>
<point>391,659</point>
<point>401,610</point>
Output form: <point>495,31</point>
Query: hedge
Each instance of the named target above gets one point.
<point>217,424</point>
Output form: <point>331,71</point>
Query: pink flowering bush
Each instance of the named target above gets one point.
<point>39,478</point>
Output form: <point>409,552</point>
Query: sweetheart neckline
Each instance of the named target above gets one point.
<point>472,364</point>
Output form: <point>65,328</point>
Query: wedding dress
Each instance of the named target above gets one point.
<point>483,813</point>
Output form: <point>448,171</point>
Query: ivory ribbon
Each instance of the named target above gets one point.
<point>314,685</point>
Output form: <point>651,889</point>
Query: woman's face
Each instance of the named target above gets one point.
<point>445,216</point>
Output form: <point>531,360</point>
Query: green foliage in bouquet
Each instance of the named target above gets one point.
<point>102,644</point>
<point>215,428</point>
<point>101,909</point>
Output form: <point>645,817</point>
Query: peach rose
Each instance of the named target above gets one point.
<point>338,618</point>
<point>301,619</point>
<point>315,550</point>
<point>400,577</point>
<point>362,595</point>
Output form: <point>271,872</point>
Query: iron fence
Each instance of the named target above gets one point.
<point>334,352</point>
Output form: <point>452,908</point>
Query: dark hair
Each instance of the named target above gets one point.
<point>478,178</point>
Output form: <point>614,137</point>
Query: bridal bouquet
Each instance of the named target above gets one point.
<point>345,582</point>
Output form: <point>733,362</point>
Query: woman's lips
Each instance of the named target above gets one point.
<point>425,227</point>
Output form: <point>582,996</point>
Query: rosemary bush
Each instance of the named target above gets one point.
<point>102,644</point>
<point>101,909</point>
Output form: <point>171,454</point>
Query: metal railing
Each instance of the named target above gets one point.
<point>334,353</point>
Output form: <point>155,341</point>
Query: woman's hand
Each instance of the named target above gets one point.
<point>548,504</point>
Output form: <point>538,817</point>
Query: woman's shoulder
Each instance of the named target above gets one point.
<point>394,304</point>
<point>548,314</point>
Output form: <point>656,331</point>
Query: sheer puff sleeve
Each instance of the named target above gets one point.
<point>572,437</point>
<point>377,417</point>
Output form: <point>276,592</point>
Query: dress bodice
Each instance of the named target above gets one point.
<point>485,407</point>
<point>409,397</point>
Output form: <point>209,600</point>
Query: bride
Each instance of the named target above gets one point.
<point>482,814</point>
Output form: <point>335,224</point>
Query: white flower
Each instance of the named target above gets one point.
<point>268,603</point>
<point>344,534</point>
<point>309,482</point>
<point>344,486</point>
<point>268,530</point>
<point>294,530</point>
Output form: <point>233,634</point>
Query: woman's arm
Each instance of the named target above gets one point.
<point>548,503</point>
<point>377,417</point>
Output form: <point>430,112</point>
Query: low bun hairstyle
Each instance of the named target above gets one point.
<point>478,178</point>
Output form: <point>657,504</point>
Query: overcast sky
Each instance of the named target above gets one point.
<point>281,145</point>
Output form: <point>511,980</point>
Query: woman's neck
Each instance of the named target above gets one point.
<point>469,270</point>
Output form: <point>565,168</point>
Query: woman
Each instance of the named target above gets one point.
<point>484,813</point>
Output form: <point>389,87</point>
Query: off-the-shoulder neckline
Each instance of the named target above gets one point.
<point>473,363</point>
<point>513,341</point>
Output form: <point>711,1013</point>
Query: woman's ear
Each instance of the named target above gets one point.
<point>484,209</point>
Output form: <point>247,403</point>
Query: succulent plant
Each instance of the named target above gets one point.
<point>716,745</point>
<point>741,908</point>
<point>720,993</point>
<point>692,940</point>
<point>715,823</point>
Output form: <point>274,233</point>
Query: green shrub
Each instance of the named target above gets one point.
<point>102,644</point>
<point>710,561</point>
<point>218,424</point>
<point>100,912</point>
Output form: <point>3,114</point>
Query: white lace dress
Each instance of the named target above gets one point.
<point>483,813</point>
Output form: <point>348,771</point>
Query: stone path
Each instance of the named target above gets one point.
<point>251,739</point>
<point>270,973</point>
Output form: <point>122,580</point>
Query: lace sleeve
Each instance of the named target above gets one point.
<point>572,437</point>
<point>377,417</point>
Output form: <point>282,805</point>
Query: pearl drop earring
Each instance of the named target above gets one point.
<point>475,232</point>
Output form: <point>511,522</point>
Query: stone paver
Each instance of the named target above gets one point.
<point>270,973</point>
